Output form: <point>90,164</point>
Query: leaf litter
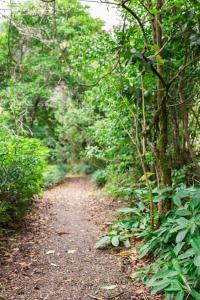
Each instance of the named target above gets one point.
<point>26,267</point>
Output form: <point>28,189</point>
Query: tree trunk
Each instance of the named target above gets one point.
<point>162,142</point>
<point>185,120</point>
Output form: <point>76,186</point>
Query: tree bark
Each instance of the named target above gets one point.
<point>162,142</point>
<point>185,119</point>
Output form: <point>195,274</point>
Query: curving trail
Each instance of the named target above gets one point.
<point>54,258</point>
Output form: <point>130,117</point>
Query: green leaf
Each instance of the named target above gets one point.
<point>169,296</point>
<point>127,243</point>
<point>104,241</point>
<point>180,295</point>
<point>127,210</point>
<point>188,253</point>
<point>195,242</point>
<point>161,197</point>
<point>197,261</point>
<point>160,60</point>
<point>178,248</point>
<point>183,221</point>
<point>183,194</point>
<point>176,265</point>
<point>195,201</point>
<point>165,273</point>
<point>176,200</point>
<point>195,294</point>
<point>181,235</point>
<point>159,286</point>
<point>174,286</point>
<point>193,228</point>
<point>183,212</point>
<point>115,241</point>
<point>167,189</point>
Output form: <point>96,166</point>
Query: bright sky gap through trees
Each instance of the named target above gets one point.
<point>109,14</point>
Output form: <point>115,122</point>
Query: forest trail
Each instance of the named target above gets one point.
<point>55,259</point>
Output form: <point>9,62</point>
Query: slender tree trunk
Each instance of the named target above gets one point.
<point>185,119</point>
<point>34,111</point>
<point>162,142</point>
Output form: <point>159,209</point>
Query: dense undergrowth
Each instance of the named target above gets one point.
<point>22,162</point>
<point>174,245</point>
<point>54,174</point>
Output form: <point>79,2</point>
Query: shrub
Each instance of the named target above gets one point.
<point>100,178</point>
<point>54,174</point>
<point>22,161</point>
<point>176,245</point>
<point>83,169</point>
<point>120,232</point>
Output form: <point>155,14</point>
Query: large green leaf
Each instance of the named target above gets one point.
<point>178,248</point>
<point>181,235</point>
<point>180,295</point>
<point>176,200</point>
<point>104,241</point>
<point>127,210</point>
<point>195,294</point>
<point>183,212</point>
<point>195,242</point>
<point>188,253</point>
<point>115,241</point>
<point>159,286</point>
<point>197,261</point>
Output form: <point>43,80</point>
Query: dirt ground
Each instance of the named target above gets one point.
<point>52,257</point>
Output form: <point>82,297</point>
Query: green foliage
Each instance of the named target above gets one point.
<point>134,222</point>
<point>114,238</point>
<point>176,246</point>
<point>45,79</point>
<point>22,162</point>
<point>99,178</point>
<point>82,169</point>
<point>54,174</point>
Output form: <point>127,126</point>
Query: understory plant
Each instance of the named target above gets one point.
<point>54,174</point>
<point>99,178</point>
<point>132,222</point>
<point>174,247</point>
<point>22,161</point>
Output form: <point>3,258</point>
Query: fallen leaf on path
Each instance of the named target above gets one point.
<point>127,252</point>
<point>8,254</point>
<point>25,264</point>
<point>133,276</point>
<point>109,287</point>
<point>54,265</point>
<point>62,232</point>
<point>95,298</point>
<point>139,291</point>
<point>50,252</point>
<point>71,251</point>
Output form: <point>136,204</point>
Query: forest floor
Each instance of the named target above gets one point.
<point>52,257</point>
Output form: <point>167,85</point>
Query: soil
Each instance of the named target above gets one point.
<point>52,256</point>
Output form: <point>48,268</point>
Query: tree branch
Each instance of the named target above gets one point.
<point>182,69</point>
<point>127,8</point>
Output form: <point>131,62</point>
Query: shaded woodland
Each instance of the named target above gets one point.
<point>122,106</point>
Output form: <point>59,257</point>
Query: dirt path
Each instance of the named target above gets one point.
<point>54,258</point>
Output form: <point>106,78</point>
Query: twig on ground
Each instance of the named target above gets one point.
<point>94,297</point>
<point>114,296</point>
